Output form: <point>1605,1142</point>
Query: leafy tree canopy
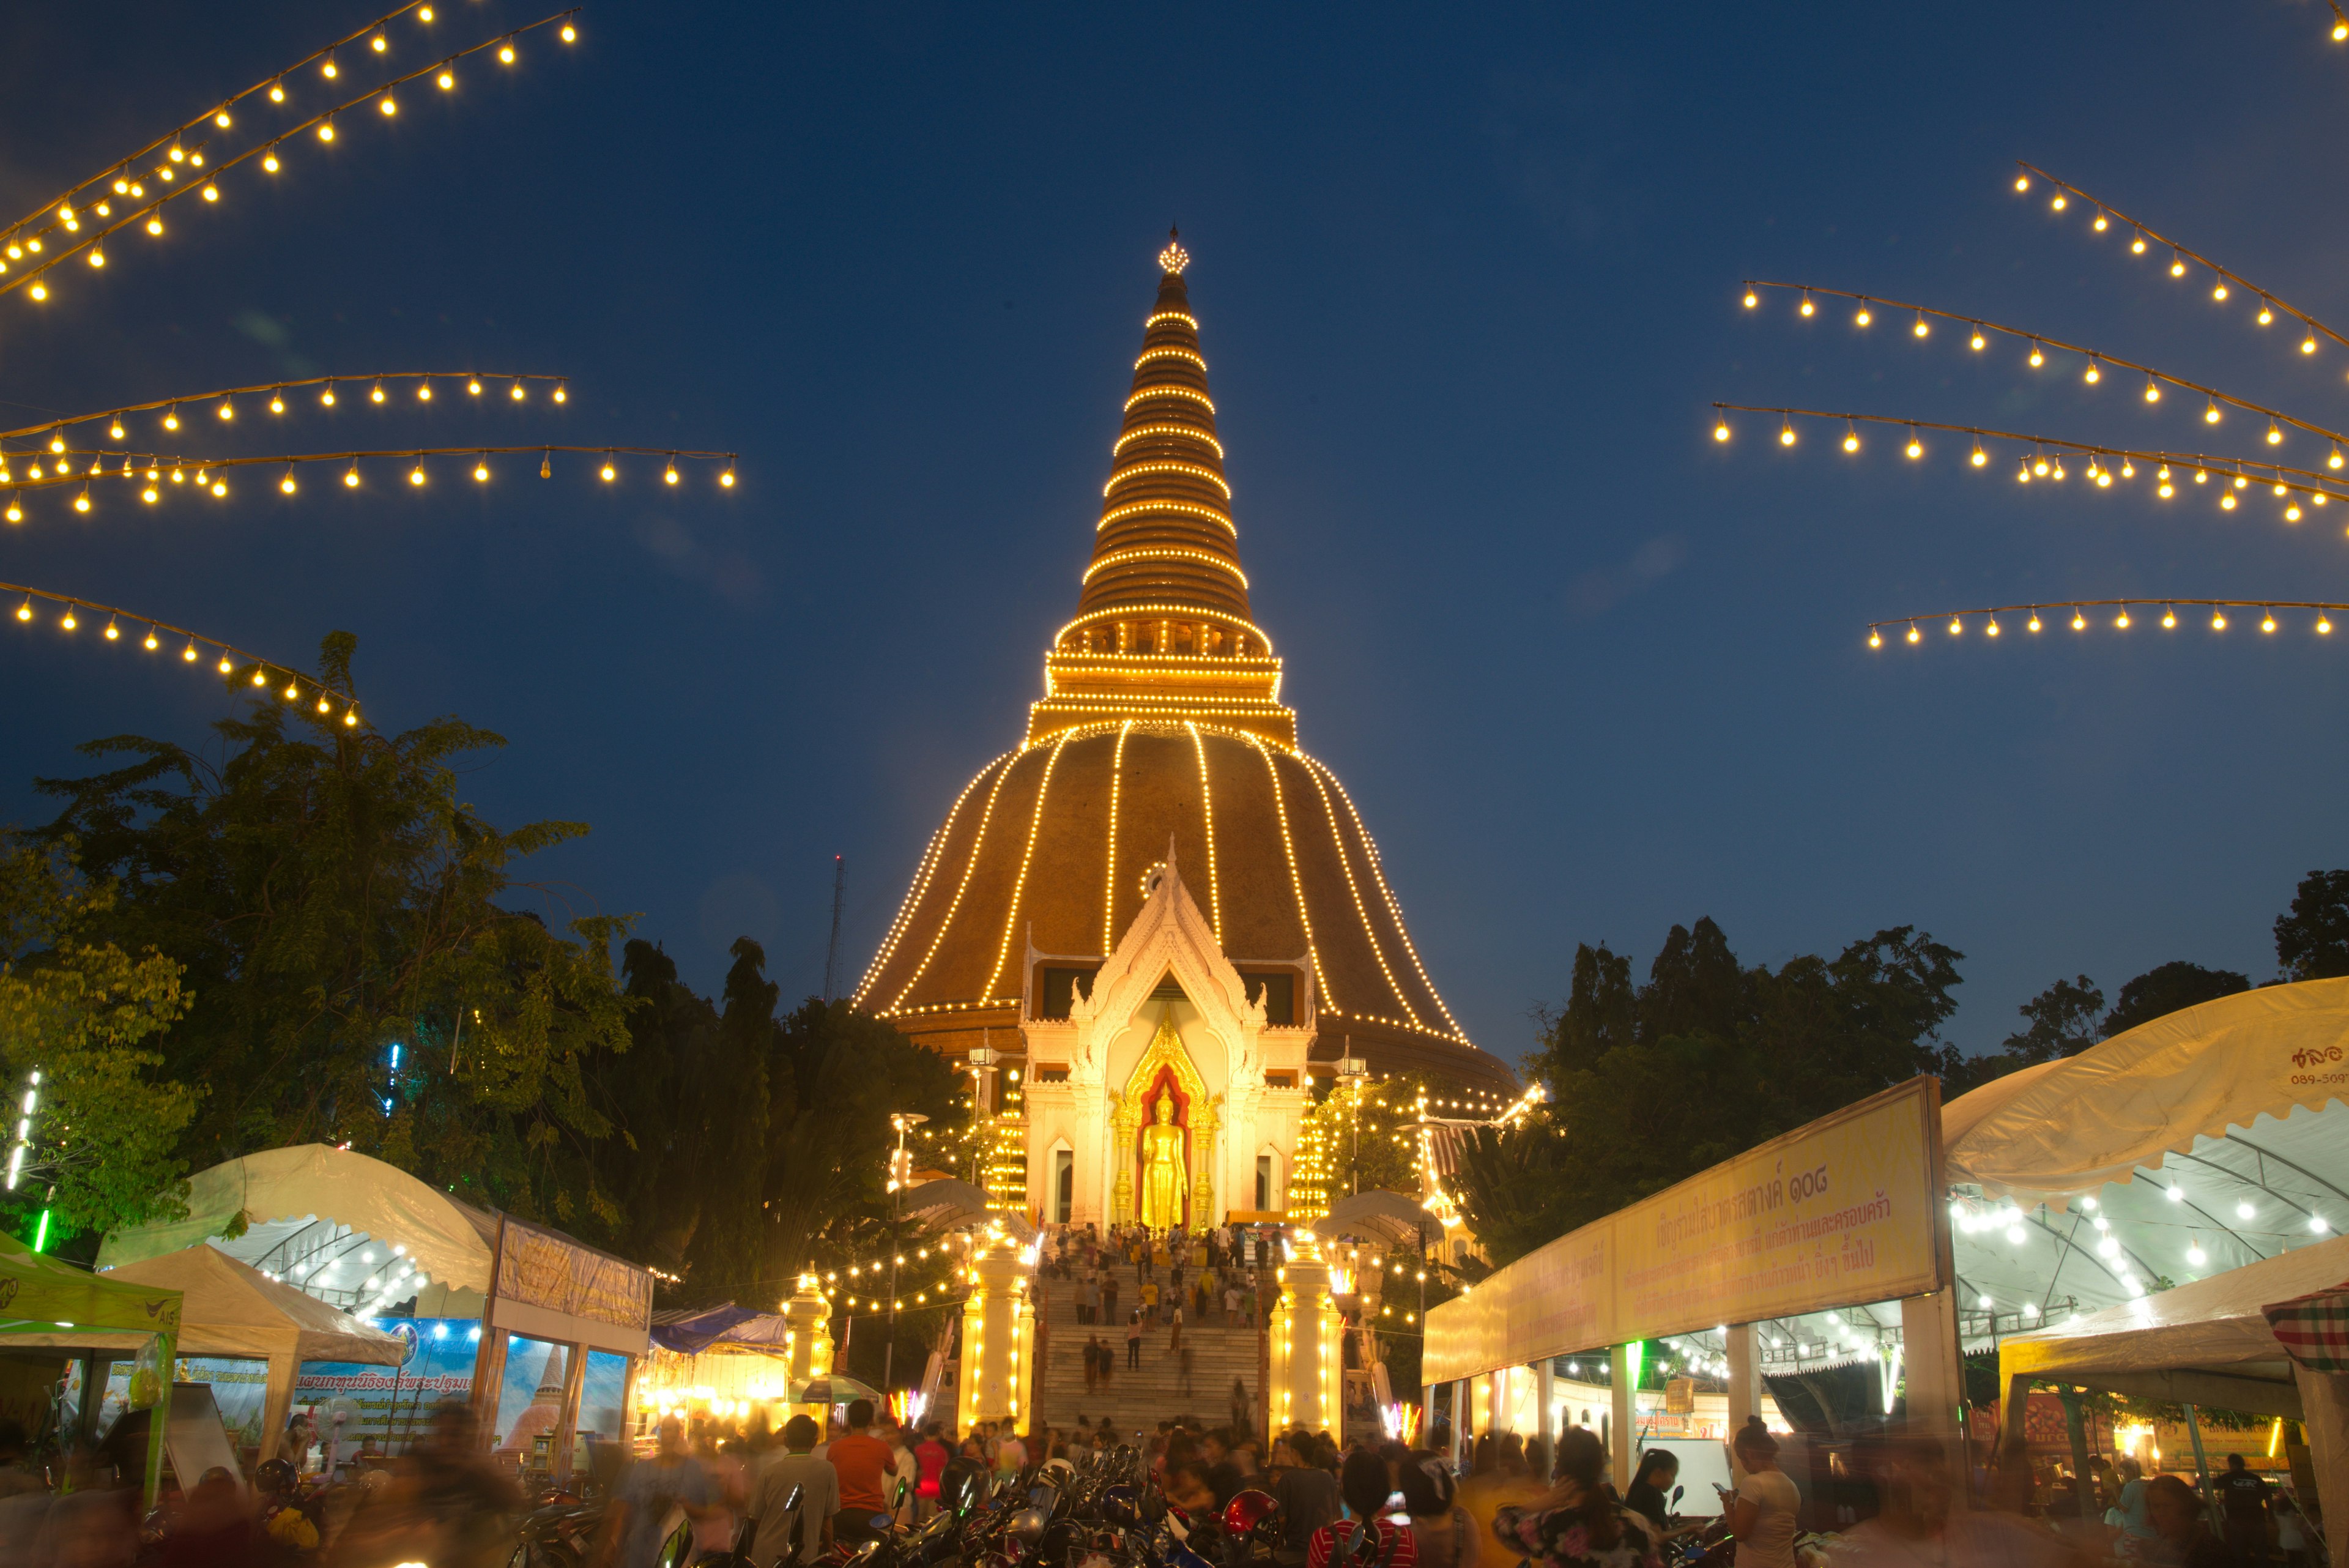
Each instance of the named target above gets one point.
<point>327,896</point>
<point>2166,988</point>
<point>2312,939</point>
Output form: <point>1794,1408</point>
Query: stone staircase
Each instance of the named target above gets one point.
<point>1140,1399</point>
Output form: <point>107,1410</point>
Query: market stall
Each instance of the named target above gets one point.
<point>723,1361</point>
<point>2209,1342</point>
<point>234,1311</point>
<point>53,1304</point>
<point>531,1325</point>
<point>1830,1242</point>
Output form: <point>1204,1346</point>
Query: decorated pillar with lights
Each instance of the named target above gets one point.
<point>998,1338</point>
<point>1309,1351</point>
<point>808,1349</point>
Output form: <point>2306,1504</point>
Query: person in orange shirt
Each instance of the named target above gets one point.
<point>866,1466</point>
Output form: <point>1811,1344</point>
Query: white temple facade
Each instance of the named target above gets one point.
<point>1164,1097</point>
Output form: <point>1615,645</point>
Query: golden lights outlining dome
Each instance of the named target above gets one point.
<point>1162,722</point>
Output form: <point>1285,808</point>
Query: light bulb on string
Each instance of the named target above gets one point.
<point>81,502</point>
<point>2023,471</point>
<point>227,409</point>
<point>225,667</point>
<point>610,473</point>
<point>2275,433</point>
<point>546,464</point>
<point>2079,621</point>
<point>25,610</point>
<point>2060,202</point>
<point>327,397</point>
<point>1977,340</point>
<point>2267,310</point>
<point>2037,359</point>
<point>1851,437</point>
<point>1751,298</point>
<point>1956,625</point>
<point>1806,307</point>
<point>561,392</point>
<point>726,479</point>
<point>113,632</point>
<point>2094,373</point>
<point>570,34</point>
<point>378,43</point>
<point>424,390</point>
<point>2128,469</point>
<point>286,483</point>
<point>352,478</point>
<point>1921,328</point>
<point>2023,181</point>
<point>326,131</point>
<point>2219,289</point>
<point>2177,264</point>
<point>473,386</point>
<point>188,653</point>
<point>2323,624</point>
<point>276,92</point>
<point>1863,318</point>
<point>1916,448</point>
<point>389,104</point>
<point>1875,638</point>
<point>113,431</point>
<point>291,691</point>
<point>447,80</point>
<point>506,54</point>
<point>1720,430</point>
<point>2201,476</point>
<point>2122,619</point>
<point>482,472</point>
<point>375,394</point>
<point>2057,469</point>
<point>276,403</point>
<point>171,418</point>
<point>2211,413</point>
<point>517,393</point>
<point>212,192</point>
<point>1786,433</point>
<point>1914,635</point>
<point>670,476</point>
<point>1991,629</point>
<point>2152,389</point>
<point>1979,456</point>
<point>2033,624</point>
<point>261,678</point>
<point>2169,618</point>
<point>416,474</point>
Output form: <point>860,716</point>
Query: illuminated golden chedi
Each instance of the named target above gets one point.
<point>1161,727</point>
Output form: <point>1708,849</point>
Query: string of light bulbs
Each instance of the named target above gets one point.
<point>1959,620</point>
<point>218,117</point>
<point>2179,254</point>
<point>34,278</point>
<point>2097,359</point>
<point>156,478</point>
<point>2282,479</point>
<point>224,406</point>
<point>226,659</point>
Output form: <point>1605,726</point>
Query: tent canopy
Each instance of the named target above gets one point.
<point>281,1194</point>
<point>233,1310</point>
<point>2205,1140</point>
<point>2206,1342</point>
<point>1391,1216</point>
<point>720,1328</point>
<point>950,1205</point>
<point>40,1296</point>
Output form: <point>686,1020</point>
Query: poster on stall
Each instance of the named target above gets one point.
<point>382,1409</point>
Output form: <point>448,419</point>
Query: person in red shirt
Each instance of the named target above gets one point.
<point>1365,1485</point>
<point>931,1454</point>
<point>866,1466</point>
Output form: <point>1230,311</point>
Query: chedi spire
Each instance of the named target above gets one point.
<point>1164,629</point>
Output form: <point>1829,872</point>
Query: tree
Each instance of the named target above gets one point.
<point>2164,990</point>
<point>86,1016</point>
<point>1723,1058</point>
<point>2063,1023</point>
<point>338,912</point>
<point>2311,940</point>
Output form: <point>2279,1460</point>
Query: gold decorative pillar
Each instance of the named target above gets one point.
<point>998,1338</point>
<point>1125,1122</point>
<point>1204,1122</point>
<point>1309,1352</point>
<point>808,1350</point>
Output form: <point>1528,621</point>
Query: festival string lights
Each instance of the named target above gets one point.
<point>165,446</point>
<point>2317,617</point>
<point>114,625</point>
<point>34,246</point>
<point>2297,490</point>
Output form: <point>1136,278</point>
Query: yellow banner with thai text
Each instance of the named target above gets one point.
<point>1844,1210</point>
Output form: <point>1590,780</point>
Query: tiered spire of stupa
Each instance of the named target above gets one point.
<point>1162,629</point>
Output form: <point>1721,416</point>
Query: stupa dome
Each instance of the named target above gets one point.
<point>1161,732</point>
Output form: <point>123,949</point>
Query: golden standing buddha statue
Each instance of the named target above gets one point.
<point>1164,1178</point>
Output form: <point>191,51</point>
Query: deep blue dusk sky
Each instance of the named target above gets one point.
<point>1467,279</point>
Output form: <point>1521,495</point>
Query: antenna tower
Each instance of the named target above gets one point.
<point>832,949</point>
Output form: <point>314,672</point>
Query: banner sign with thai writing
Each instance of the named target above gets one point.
<point>1842,1211</point>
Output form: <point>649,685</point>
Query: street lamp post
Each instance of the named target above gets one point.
<point>1353,1072</point>
<point>897,1174</point>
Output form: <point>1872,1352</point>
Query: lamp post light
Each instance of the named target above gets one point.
<point>899,1171</point>
<point>1353,1072</point>
<point>982,1059</point>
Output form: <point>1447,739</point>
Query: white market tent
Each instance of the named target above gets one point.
<point>233,1310</point>
<point>361,1235</point>
<point>2202,1142</point>
<point>2208,1343</point>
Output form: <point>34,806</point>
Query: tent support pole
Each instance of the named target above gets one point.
<point>2202,1474</point>
<point>2324,1406</point>
<point>1744,1376</point>
<point>1625,1400</point>
<point>2074,1428</point>
<point>159,1419</point>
